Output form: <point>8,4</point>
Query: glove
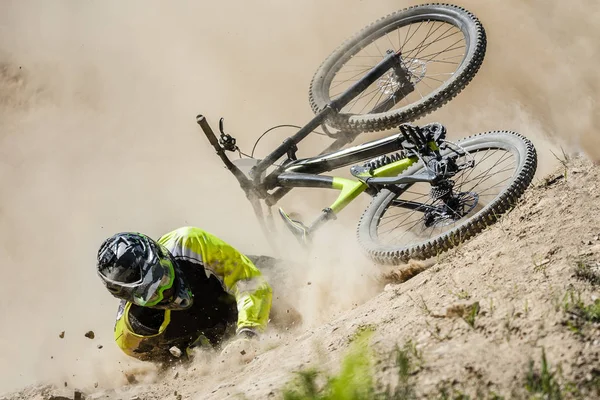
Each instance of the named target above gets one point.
<point>243,348</point>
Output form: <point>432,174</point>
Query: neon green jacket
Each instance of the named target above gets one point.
<point>237,275</point>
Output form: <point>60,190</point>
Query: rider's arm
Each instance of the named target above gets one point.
<point>238,275</point>
<point>244,281</point>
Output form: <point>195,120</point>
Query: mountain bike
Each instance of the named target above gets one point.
<point>428,193</point>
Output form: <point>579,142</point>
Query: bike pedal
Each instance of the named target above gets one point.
<point>298,229</point>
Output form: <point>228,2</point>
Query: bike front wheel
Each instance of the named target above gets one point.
<point>410,221</point>
<point>442,47</point>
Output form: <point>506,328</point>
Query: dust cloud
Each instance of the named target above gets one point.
<point>97,135</point>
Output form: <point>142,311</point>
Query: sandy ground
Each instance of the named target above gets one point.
<point>97,135</point>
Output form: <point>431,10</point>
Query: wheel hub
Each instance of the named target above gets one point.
<point>416,68</point>
<point>389,83</point>
<point>450,210</point>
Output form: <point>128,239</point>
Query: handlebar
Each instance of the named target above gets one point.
<point>245,183</point>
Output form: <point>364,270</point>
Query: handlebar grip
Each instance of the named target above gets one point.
<point>201,120</point>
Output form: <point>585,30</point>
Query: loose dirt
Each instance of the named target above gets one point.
<point>97,135</point>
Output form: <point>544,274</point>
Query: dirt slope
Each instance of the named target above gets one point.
<point>97,135</point>
<point>521,272</point>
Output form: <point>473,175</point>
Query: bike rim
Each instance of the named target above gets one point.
<point>433,51</point>
<point>494,170</point>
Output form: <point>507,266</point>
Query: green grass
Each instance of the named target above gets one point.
<point>542,383</point>
<point>356,380</point>
<point>471,313</point>
<point>572,304</point>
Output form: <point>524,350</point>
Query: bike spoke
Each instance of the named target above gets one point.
<point>422,47</point>
<point>429,33</point>
<point>426,48</point>
<point>493,170</point>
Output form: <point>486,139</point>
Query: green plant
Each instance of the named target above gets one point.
<point>572,304</point>
<point>543,381</point>
<point>407,360</point>
<point>470,313</point>
<point>354,381</point>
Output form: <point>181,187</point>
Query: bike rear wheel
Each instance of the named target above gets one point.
<point>392,233</point>
<point>442,48</point>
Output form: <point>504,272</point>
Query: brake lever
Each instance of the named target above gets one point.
<point>228,142</point>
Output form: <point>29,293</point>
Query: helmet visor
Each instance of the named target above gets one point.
<point>155,286</point>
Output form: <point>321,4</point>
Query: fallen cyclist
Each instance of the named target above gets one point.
<point>187,289</point>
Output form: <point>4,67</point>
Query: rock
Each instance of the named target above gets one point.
<point>99,346</point>
<point>77,395</point>
<point>61,335</point>
<point>175,351</point>
<point>90,334</point>
<point>176,375</point>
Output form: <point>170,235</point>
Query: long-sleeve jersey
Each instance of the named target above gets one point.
<point>227,290</point>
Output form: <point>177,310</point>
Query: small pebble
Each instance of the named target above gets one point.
<point>90,334</point>
<point>62,334</point>
<point>175,351</point>
<point>99,346</point>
